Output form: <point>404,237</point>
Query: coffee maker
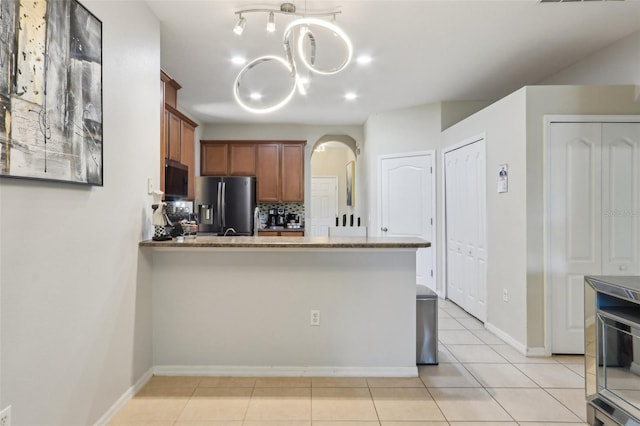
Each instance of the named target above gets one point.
<point>281,217</point>
<point>272,219</point>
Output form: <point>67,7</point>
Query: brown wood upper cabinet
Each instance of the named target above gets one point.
<point>268,173</point>
<point>292,175</point>
<point>242,159</point>
<point>278,166</point>
<point>214,159</point>
<point>177,132</point>
<point>280,172</point>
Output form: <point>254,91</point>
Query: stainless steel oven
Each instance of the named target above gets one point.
<point>612,350</point>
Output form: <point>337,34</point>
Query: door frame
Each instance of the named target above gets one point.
<point>337,186</point>
<point>434,245</point>
<point>546,191</point>
<point>443,186</point>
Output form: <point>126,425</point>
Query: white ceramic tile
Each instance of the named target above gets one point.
<point>532,405</point>
<point>475,353</point>
<point>552,375</point>
<point>447,376</point>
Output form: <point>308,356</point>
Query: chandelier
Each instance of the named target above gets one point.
<point>300,44</point>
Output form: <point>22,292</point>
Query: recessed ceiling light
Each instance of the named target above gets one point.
<point>255,96</point>
<point>364,59</point>
<point>238,60</point>
<point>350,96</point>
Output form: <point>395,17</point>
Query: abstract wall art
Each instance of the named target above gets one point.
<point>50,91</point>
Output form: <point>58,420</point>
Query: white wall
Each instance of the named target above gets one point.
<point>407,130</point>
<point>503,124</point>
<point>515,220</point>
<point>618,63</point>
<point>247,311</point>
<point>291,132</point>
<point>543,100</point>
<point>76,327</point>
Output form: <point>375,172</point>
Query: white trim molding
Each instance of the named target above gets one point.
<point>258,371</point>
<point>124,399</point>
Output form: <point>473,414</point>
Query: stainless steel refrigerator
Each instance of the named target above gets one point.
<point>226,204</point>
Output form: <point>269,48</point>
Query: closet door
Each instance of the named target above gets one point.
<point>454,175</point>
<point>621,198</point>
<point>575,227</point>
<point>465,204</point>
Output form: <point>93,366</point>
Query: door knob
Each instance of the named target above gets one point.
<point>384,229</point>
<point>623,267</point>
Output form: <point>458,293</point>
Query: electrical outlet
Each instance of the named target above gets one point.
<point>5,417</point>
<point>505,295</point>
<point>315,317</point>
<point>150,185</point>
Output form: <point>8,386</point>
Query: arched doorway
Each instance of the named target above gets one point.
<point>333,171</point>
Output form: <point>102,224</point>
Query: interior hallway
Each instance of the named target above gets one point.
<point>480,379</point>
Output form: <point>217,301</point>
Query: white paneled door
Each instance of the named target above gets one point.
<point>593,217</point>
<point>324,204</point>
<point>407,206</point>
<point>466,237</point>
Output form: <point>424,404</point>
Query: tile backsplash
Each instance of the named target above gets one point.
<point>294,208</point>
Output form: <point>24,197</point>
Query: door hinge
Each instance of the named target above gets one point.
<point>432,221</point>
<point>431,169</point>
<point>432,273</point>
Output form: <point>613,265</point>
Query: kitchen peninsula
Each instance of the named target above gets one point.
<point>244,306</point>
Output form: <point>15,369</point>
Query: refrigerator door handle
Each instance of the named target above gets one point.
<point>224,205</point>
<point>219,205</point>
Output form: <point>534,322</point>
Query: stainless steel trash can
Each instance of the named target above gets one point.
<point>426,326</point>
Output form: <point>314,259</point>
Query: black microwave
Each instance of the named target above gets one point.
<point>176,181</point>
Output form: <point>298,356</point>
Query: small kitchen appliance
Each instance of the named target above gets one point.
<point>272,218</point>
<point>281,218</point>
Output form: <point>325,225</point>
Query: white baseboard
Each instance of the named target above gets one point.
<point>254,371</point>
<point>506,337</point>
<point>126,397</point>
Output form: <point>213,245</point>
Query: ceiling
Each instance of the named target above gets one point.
<point>422,52</point>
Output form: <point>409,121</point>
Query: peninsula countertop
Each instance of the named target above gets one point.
<point>235,242</point>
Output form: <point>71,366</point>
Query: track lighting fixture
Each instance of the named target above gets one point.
<point>300,46</point>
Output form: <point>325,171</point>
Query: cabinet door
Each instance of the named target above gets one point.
<point>213,159</point>
<point>187,154</point>
<point>173,135</point>
<point>292,173</point>
<point>242,159</point>
<point>268,234</point>
<point>268,172</point>
<point>293,234</point>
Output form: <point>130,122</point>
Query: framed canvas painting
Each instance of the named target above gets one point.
<point>351,184</point>
<point>50,91</point>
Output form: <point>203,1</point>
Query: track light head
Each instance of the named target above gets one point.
<point>239,28</point>
<point>271,23</point>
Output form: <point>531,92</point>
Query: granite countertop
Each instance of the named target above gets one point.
<point>291,242</point>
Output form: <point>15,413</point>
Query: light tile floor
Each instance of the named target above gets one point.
<point>480,381</point>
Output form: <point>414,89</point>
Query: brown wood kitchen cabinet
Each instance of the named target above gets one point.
<point>220,158</point>
<point>280,172</point>
<point>292,174</point>
<point>177,133</point>
<point>280,234</point>
<point>214,159</point>
<point>268,173</point>
<point>278,166</point>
